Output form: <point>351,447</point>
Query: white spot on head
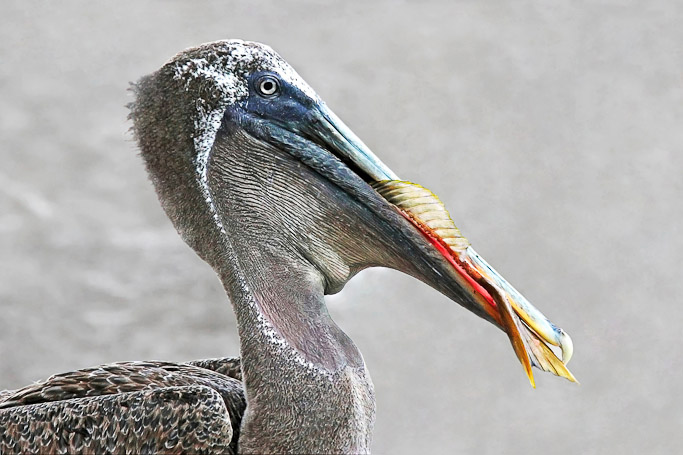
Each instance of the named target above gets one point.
<point>216,76</point>
<point>218,73</point>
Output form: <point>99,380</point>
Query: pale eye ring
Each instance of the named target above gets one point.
<point>268,86</point>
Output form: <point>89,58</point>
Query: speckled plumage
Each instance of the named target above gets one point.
<point>128,407</point>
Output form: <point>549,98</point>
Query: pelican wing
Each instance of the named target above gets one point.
<point>132,407</point>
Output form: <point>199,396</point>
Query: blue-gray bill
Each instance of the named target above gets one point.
<point>530,332</point>
<point>331,130</point>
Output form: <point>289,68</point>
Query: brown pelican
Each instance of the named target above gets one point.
<point>286,204</point>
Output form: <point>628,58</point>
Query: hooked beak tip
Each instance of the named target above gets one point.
<point>567,346</point>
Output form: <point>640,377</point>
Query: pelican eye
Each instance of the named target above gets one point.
<point>268,86</point>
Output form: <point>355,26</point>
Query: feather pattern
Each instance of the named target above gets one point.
<point>128,407</point>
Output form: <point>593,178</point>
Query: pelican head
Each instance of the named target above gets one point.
<point>250,163</point>
<point>286,204</point>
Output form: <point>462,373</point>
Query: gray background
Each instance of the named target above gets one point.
<point>553,132</point>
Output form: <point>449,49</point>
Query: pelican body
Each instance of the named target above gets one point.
<point>286,204</point>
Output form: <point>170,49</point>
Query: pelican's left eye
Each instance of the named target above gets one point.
<point>268,86</point>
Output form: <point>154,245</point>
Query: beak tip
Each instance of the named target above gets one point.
<point>567,346</point>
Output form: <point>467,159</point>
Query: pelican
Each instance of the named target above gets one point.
<point>275,192</point>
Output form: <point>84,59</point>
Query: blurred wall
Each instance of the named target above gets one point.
<point>552,130</point>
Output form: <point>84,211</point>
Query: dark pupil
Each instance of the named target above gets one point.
<point>268,86</point>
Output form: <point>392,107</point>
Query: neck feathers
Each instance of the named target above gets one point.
<point>164,123</point>
<point>306,383</point>
<point>239,208</point>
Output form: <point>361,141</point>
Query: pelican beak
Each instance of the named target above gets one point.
<point>529,331</point>
<point>430,244</point>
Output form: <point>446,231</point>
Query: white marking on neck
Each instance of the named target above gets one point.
<point>226,84</point>
<point>223,82</point>
<point>208,118</point>
<point>203,145</point>
<point>277,340</point>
